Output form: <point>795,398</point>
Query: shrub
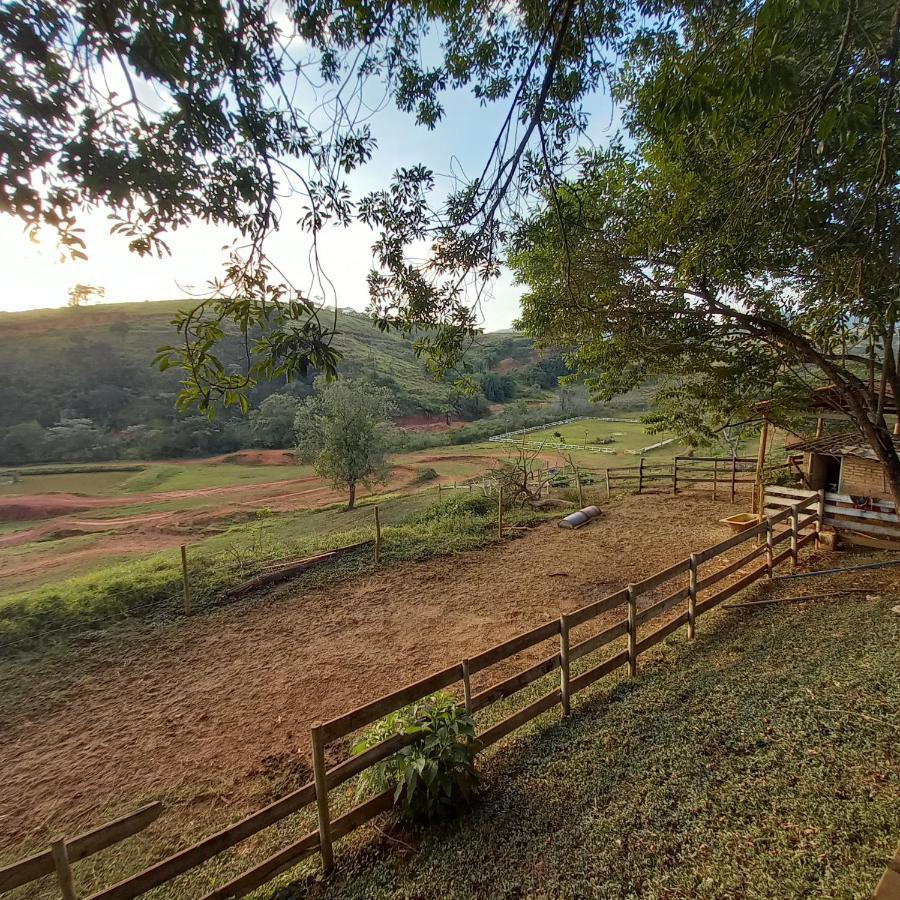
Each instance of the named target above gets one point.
<point>434,776</point>
<point>467,506</point>
<point>424,475</point>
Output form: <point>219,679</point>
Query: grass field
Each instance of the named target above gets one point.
<point>759,761</point>
<point>102,541</point>
<point>153,478</point>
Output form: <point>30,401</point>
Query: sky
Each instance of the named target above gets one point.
<point>33,275</point>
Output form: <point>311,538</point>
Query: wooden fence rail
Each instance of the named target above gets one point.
<point>841,511</point>
<point>569,650</point>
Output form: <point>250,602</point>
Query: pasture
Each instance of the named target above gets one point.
<point>211,715</point>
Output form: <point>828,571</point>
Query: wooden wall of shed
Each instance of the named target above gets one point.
<point>816,469</point>
<point>864,477</point>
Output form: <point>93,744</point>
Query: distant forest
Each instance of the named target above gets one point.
<point>79,385</point>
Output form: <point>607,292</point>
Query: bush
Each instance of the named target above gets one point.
<point>469,506</point>
<point>434,776</point>
<point>424,475</point>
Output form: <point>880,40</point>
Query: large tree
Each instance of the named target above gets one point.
<point>743,242</point>
<point>344,432</point>
<point>166,112</point>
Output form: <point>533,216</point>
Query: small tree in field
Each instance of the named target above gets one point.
<point>343,431</point>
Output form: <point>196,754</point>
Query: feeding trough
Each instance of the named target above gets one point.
<point>740,521</point>
<point>582,517</point>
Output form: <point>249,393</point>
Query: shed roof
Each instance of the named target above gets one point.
<point>844,443</point>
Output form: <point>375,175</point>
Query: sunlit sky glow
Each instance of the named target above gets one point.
<point>34,276</point>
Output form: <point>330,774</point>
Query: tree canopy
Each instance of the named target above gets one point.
<point>166,112</point>
<point>344,432</point>
<point>743,243</point>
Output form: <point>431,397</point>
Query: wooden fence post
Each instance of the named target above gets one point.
<point>377,537</point>
<point>692,597</point>
<point>564,664</point>
<point>715,478</point>
<point>820,521</point>
<point>675,475</point>
<point>185,580</point>
<point>500,512</point>
<point>641,476</point>
<point>467,686</point>
<point>632,630</point>
<point>608,494</point>
<point>578,485</point>
<point>733,476</point>
<point>63,869</point>
<point>439,493</point>
<point>770,547</point>
<point>795,536</point>
<point>318,755</point>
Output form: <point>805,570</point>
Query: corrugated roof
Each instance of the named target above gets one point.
<point>844,443</point>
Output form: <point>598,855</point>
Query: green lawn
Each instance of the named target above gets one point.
<point>152,478</point>
<point>759,761</point>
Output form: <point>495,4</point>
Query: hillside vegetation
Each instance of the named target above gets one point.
<point>80,384</point>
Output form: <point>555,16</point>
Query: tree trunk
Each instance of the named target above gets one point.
<point>352,501</point>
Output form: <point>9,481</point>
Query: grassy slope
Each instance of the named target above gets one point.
<point>760,761</point>
<point>136,330</point>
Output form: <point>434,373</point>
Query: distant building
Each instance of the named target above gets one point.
<point>842,463</point>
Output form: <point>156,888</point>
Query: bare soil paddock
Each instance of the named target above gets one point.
<point>208,713</point>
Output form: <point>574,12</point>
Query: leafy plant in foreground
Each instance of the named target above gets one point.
<point>435,775</point>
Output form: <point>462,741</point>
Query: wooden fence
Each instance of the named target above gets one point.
<point>842,512</point>
<point>721,475</point>
<point>695,581</point>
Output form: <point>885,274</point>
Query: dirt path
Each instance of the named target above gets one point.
<point>213,701</point>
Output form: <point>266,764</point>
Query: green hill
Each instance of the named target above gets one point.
<point>78,381</point>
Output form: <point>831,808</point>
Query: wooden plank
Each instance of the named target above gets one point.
<point>321,782</point>
<point>355,764</point>
<point>654,581</point>
<point>196,854</point>
<point>289,857</point>
<point>513,646</point>
<point>789,491</point>
<point>662,606</point>
<point>781,536</point>
<point>861,513</point>
<point>731,590</point>
<point>692,597</point>
<point>41,864</point>
<point>370,712</point>
<point>564,695</point>
<point>846,498</point>
<point>730,569</point>
<point>734,541</point>
<point>580,682</point>
<point>63,869</point>
<point>661,633</point>
<point>862,526</point>
<point>519,718</point>
<point>781,557</point>
<point>809,520</point>
<point>515,682</point>
<point>716,459</point>
<point>592,610</point>
<point>598,640</point>
<point>777,514</point>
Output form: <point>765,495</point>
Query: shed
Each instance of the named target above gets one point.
<point>842,463</point>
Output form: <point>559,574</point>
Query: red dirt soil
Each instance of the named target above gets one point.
<point>436,424</point>
<point>207,703</point>
<point>150,532</point>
